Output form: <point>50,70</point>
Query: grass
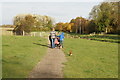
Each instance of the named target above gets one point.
<point>90,59</point>
<point>20,54</point>
<point>99,37</point>
<point>106,38</point>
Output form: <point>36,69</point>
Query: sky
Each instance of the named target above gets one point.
<point>60,10</point>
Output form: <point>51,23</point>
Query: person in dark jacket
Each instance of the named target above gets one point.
<point>50,40</point>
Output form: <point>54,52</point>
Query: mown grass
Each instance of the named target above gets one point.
<point>90,59</point>
<point>20,54</point>
<point>114,38</point>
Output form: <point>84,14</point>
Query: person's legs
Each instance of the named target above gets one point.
<point>50,41</point>
<point>61,43</point>
<point>53,45</point>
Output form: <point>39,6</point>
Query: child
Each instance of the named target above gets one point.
<point>56,42</point>
<point>61,38</point>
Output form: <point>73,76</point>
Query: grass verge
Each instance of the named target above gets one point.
<point>20,54</point>
<point>90,59</point>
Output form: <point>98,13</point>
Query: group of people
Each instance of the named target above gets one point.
<point>56,40</point>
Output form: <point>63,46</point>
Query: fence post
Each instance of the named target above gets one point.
<point>34,33</point>
<point>23,33</point>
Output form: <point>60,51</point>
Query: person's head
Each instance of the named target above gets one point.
<point>53,29</point>
<point>57,33</point>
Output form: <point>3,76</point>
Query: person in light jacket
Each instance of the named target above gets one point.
<point>52,37</point>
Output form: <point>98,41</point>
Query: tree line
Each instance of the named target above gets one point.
<point>32,22</point>
<point>102,18</point>
<point>106,16</point>
<point>77,25</point>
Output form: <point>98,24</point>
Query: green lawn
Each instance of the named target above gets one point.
<point>90,59</point>
<point>20,54</point>
<point>114,38</point>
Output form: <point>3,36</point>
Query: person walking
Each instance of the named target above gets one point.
<point>50,41</point>
<point>61,38</point>
<point>53,36</point>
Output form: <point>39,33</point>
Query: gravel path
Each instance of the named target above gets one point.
<point>50,66</point>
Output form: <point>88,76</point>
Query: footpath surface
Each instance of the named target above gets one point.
<point>51,66</point>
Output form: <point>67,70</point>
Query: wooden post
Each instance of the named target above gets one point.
<point>34,33</point>
<point>40,34</point>
<point>23,33</point>
<point>106,30</point>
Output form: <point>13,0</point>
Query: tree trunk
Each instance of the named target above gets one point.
<point>76,29</point>
<point>80,27</point>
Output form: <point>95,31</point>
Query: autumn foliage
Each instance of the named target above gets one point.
<point>77,25</point>
<point>102,18</point>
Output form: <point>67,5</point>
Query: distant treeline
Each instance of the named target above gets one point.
<point>103,18</point>
<point>8,26</point>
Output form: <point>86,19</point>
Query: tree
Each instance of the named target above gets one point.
<point>29,22</point>
<point>65,26</point>
<point>90,26</point>
<point>59,26</point>
<point>25,24</point>
<point>106,16</point>
<point>79,25</point>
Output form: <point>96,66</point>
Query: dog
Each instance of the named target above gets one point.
<point>70,53</point>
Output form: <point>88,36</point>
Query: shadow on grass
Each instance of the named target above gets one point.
<point>106,41</point>
<point>107,37</point>
<point>10,62</point>
<point>103,38</point>
<point>41,44</point>
<point>6,45</point>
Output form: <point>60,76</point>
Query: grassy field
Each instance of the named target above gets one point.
<point>90,59</point>
<point>114,38</point>
<point>20,54</point>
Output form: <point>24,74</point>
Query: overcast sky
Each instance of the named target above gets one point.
<point>60,10</point>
